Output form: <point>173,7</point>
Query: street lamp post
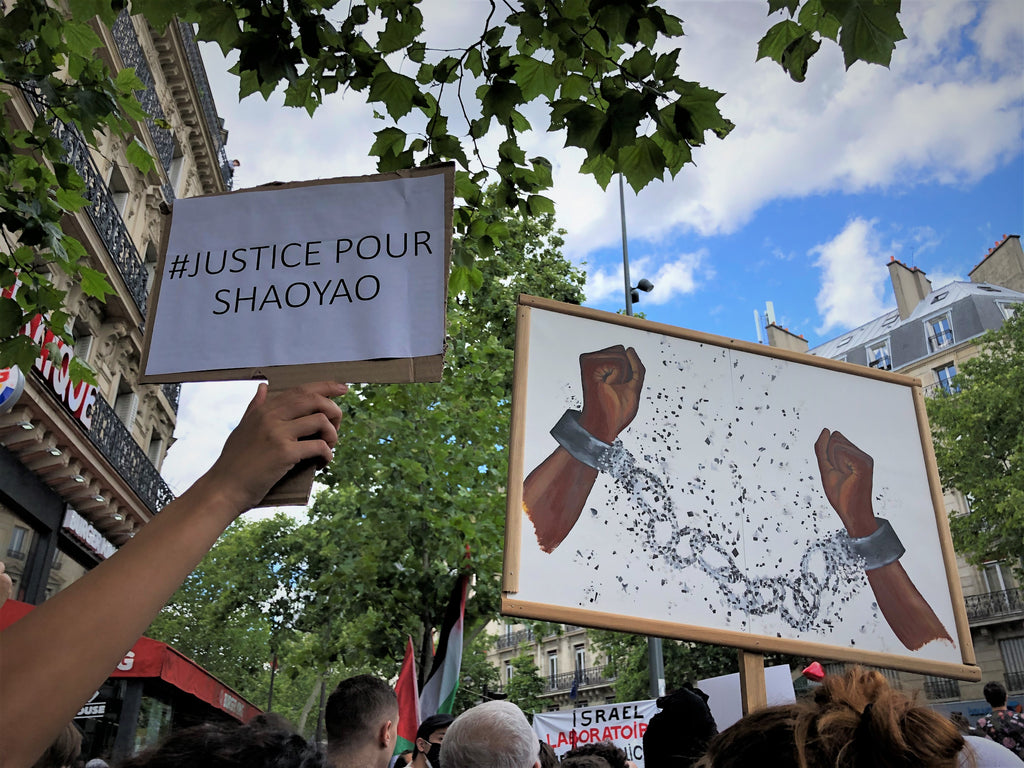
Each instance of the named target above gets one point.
<point>655,657</point>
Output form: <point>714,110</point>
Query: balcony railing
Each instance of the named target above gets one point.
<point>133,56</point>
<point>213,123</point>
<point>589,676</point>
<point>110,435</point>
<point>1015,680</point>
<point>939,340</point>
<point>941,688</point>
<point>514,639</point>
<point>994,605</point>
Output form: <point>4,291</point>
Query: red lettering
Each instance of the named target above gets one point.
<point>641,729</point>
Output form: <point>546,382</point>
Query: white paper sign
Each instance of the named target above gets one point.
<point>725,697</point>
<point>308,274</point>
<point>622,724</point>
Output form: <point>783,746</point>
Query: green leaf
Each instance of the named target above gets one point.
<point>641,163</point>
<point>774,6</point>
<point>777,39</point>
<point>794,60</point>
<point>94,283</point>
<point>535,78</point>
<point>80,38</point>
<point>539,205</point>
<point>139,157</point>
<point>128,80</point>
<point>474,62</point>
<point>71,201</point>
<point>601,167</point>
<point>395,91</point>
<point>813,17</point>
<point>390,141</point>
<point>11,317</point>
<point>218,23</point>
<point>870,29</point>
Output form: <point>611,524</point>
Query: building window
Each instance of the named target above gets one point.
<point>127,408</point>
<point>1008,308</point>
<point>581,657</point>
<point>941,688</point>
<point>509,671</point>
<point>552,666</point>
<point>156,450</point>
<point>940,333</point>
<point>992,574</point>
<point>945,376</point>
<point>1013,662</point>
<point>879,356</point>
<point>16,549</point>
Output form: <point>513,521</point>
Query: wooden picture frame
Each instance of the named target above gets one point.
<point>712,521</point>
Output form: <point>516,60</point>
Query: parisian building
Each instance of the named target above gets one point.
<point>79,462</point>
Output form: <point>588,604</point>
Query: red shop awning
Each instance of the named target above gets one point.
<point>153,659</point>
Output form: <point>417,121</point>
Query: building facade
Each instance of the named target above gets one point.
<point>575,672</point>
<point>929,336</point>
<point>80,463</point>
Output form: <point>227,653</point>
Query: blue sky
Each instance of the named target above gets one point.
<point>802,205</point>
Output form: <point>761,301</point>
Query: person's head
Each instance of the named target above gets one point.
<point>995,694</point>
<point>429,737</point>
<point>678,733</point>
<point>548,758</point>
<point>585,761</point>
<point>614,756</point>
<point>495,734</point>
<point>854,719</point>
<point>362,715</point>
<point>64,750</point>
<point>266,741</point>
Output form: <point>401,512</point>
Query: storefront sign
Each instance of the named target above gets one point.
<point>77,526</point>
<point>92,709</point>
<point>54,365</point>
<point>12,384</point>
<point>622,724</point>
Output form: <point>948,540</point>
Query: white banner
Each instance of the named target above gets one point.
<point>322,273</point>
<point>621,724</point>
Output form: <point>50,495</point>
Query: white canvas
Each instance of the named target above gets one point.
<point>720,460</point>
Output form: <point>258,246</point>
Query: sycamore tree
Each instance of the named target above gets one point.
<point>525,686</point>
<point>416,492</point>
<point>602,73</point>
<point>978,432</point>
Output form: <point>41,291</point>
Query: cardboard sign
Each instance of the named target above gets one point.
<point>673,483</point>
<point>343,279</point>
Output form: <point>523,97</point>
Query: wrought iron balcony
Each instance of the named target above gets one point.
<point>589,676</point>
<point>213,122</point>
<point>514,639</point>
<point>133,56</point>
<point>110,435</point>
<point>941,688</point>
<point>1008,603</point>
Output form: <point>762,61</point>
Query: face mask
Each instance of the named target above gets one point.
<point>434,755</point>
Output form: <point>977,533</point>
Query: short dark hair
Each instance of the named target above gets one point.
<point>613,755</point>
<point>356,708</point>
<point>431,724</point>
<point>266,741</point>
<point>585,761</point>
<point>64,750</point>
<point>995,694</point>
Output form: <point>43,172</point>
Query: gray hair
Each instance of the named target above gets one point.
<point>494,734</point>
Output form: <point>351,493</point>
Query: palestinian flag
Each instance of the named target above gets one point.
<point>408,702</point>
<point>438,694</point>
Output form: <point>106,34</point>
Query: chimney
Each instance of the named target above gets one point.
<point>1003,265</point>
<point>910,286</point>
<point>783,338</point>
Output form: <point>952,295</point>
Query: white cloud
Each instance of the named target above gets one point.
<point>854,278</point>
<point>672,279</point>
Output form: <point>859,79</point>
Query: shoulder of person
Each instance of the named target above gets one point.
<point>988,754</point>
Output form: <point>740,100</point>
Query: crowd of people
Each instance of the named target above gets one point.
<point>53,659</point>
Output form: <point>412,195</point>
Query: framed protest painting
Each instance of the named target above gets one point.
<point>673,483</point>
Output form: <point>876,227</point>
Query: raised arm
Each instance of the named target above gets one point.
<point>56,657</point>
<point>847,475</point>
<point>556,490</point>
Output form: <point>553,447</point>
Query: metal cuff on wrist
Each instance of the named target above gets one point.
<point>879,548</point>
<point>580,444</point>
